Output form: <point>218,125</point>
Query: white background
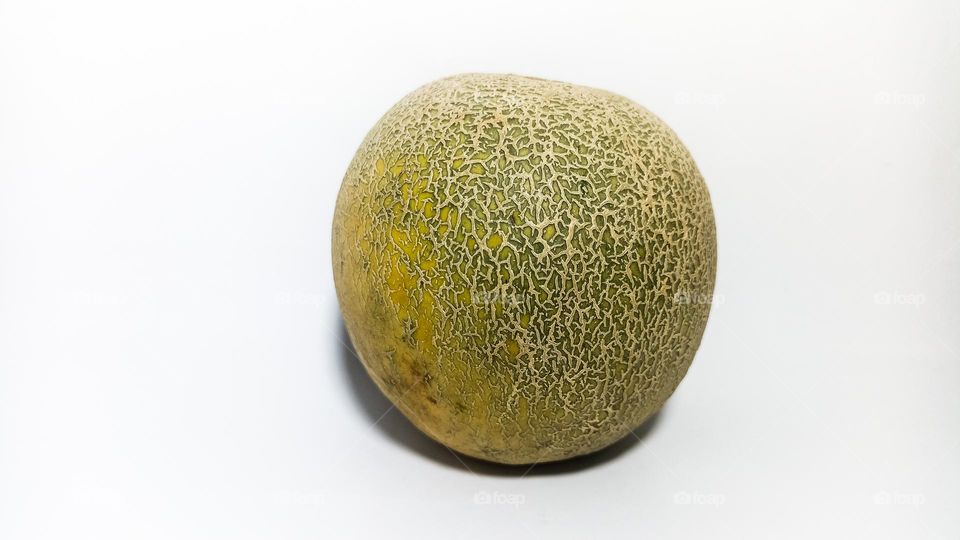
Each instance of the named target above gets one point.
<point>171,363</point>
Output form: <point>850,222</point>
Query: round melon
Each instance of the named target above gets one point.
<point>524,266</point>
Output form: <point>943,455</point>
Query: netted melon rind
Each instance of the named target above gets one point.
<point>524,266</point>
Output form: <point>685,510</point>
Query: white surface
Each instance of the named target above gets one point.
<point>170,356</point>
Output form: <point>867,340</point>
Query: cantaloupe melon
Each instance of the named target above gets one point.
<point>523,264</point>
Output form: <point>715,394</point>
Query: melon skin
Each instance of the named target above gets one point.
<point>524,266</point>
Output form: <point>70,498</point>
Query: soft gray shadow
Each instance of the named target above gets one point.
<point>393,424</point>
